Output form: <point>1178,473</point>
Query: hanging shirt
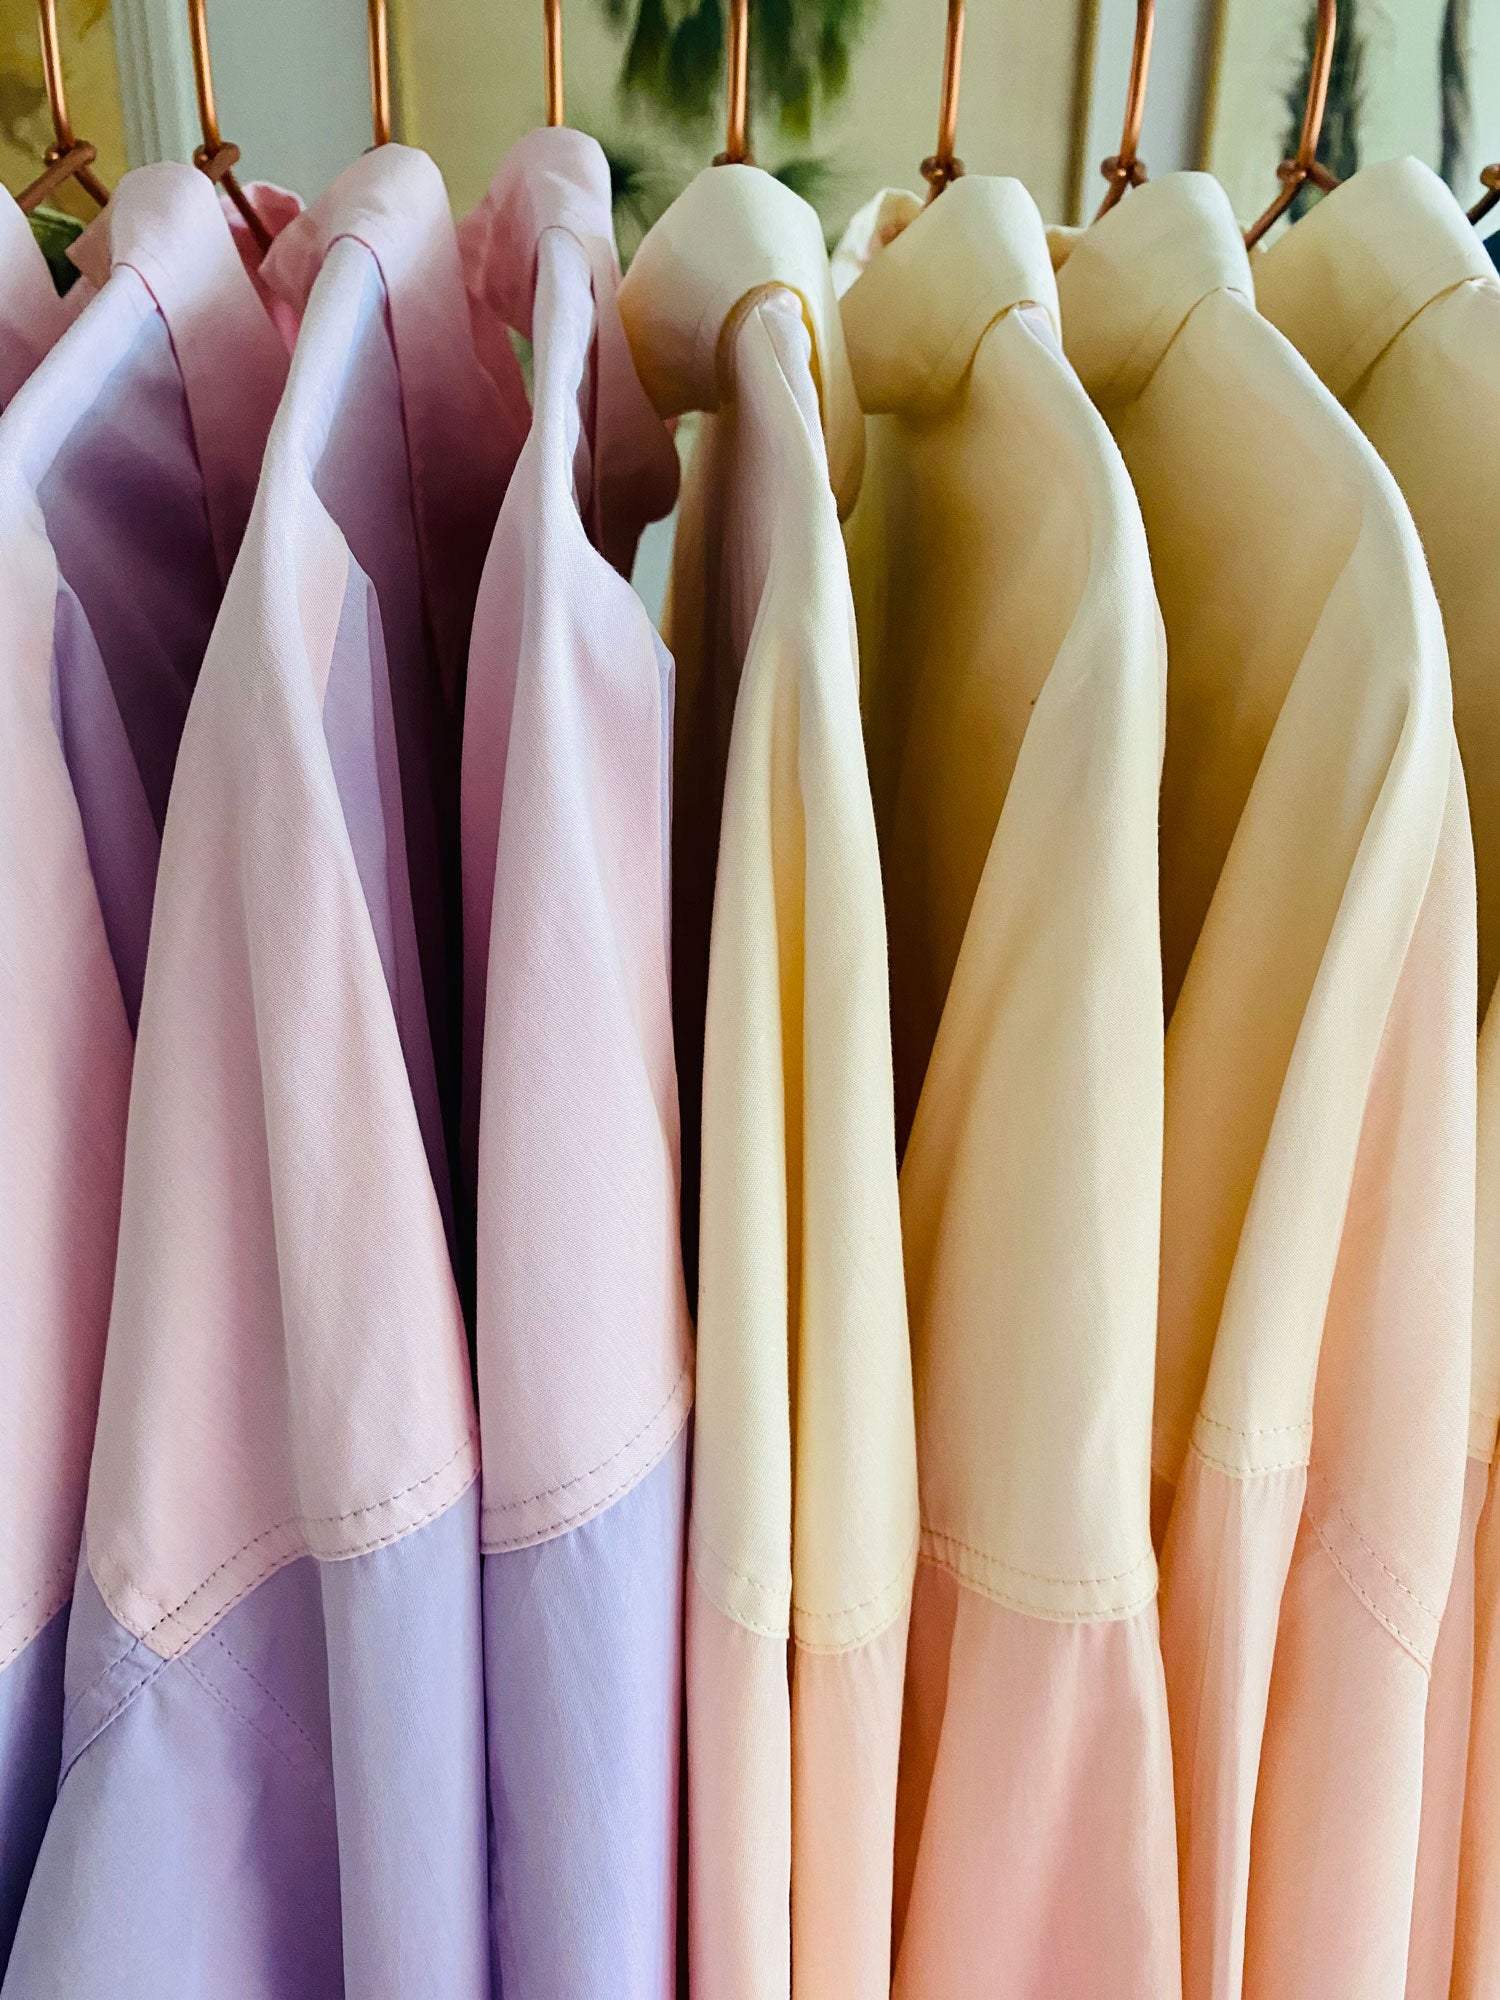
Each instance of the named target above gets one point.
<point>585,1376</point>
<point>1388,292</point>
<point>1317,1232</point>
<point>1013,673</point>
<point>31,314</point>
<point>803,1528</point>
<point>128,461</point>
<point>274,1733</point>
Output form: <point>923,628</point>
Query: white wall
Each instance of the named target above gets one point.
<point>291,78</point>
<point>1171,137</point>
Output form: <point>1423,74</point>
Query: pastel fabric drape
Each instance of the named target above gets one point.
<point>1389,294</point>
<point>128,463</point>
<point>274,1726</point>
<point>1013,673</point>
<point>803,1522</point>
<point>585,1373</point>
<point>1318,1206</point>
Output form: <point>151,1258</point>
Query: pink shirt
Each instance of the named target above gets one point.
<point>274,1753</point>
<point>128,461</point>
<point>1389,293</point>
<point>584,1341</point>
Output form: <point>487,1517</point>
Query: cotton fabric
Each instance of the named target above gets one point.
<point>126,476</point>
<point>803,1526</point>
<point>1389,294</point>
<point>584,1340</point>
<point>1317,1235</point>
<point>1013,675</point>
<point>273,1733</point>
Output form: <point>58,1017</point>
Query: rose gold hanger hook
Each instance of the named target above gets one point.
<point>216,157</point>
<point>943,166</point>
<point>1305,165</point>
<point>737,117</point>
<point>552,43</point>
<point>68,158</point>
<point>380,72</point>
<point>1489,179</point>
<point>1126,169</point>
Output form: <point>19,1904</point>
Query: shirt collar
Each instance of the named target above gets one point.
<point>555,178</point>
<point>1128,282</point>
<point>1344,281</point>
<point>461,430</point>
<point>167,223</point>
<point>928,282</point>
<point>732,232</point>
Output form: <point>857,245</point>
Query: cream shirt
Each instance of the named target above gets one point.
<point>1391,296</point>
<point>1013,671</point>
<point>1318,956</point>
<point>803,1511</point>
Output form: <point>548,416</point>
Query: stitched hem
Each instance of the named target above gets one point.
<point>539,1517</point>
<point>170,1629</point>
<point>38,1610</point>
<point>317,1780</point>
<point>857,1624</point>
<point>768,1608</point>
<point>1289,1449</point>
<point>1404,1640</point>
<point>1061,1600</point>
<point>758,1605</point>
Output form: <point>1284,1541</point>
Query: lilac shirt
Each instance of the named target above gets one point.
<point>585,1376</point>
<point>273,1736</point>
<point>127,464</point>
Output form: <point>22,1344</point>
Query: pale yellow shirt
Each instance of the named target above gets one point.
<point>804,1508</point>
<point>1388,292</point>
<point>1317,1242</point>
<point>1013,671</point>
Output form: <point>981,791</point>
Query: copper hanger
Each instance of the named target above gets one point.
<point>552,45</point>
<point>1490,180</point>
<point>944,166</point>
<point>737,116</point>
<point>1305,166</point>
<point>380,72</point>
<point>216,157</point>
<point>68,158</point>
<point>1126,169</point>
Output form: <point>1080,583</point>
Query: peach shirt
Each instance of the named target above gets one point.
<point>1388,292</point>
<point>1318,1187</point>
<point>1014,682</point>
<point>803,1523</point>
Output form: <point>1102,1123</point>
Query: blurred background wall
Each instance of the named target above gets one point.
<point>845,90</point>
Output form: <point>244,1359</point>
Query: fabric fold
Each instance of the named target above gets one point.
<point>1013,674</point>
<point>571,1125</point>
<point>275,1699</point>
<point>803,1519</point>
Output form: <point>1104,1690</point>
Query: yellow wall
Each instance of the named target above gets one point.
<point>469,81</point>
<point>1258,53</point>
<point>93,87</point>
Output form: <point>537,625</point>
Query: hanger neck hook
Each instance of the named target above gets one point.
<point>1489,180</point>
<point>1126,169</point>
<point>943,166</point>
<point>68,157</point>
<point>216,157</point>
<point>737,114</point>
<point>1305,166</point>
<point>380,71</point>
<point>553,52</point>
